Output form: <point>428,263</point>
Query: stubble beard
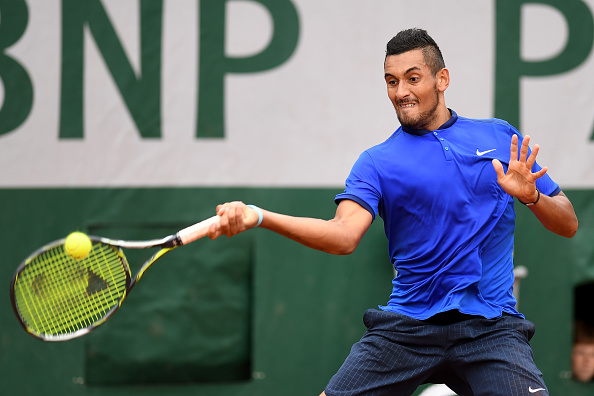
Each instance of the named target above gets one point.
<point>421,120</point>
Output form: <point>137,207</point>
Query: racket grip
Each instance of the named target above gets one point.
<point>197,231</point>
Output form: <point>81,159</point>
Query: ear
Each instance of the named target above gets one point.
<point>443,79</point>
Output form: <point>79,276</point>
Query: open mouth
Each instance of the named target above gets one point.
<point>406,105</point>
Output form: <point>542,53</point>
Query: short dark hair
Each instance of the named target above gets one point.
<point>415,38</point>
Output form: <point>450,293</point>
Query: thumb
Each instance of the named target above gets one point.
<point>214,231</point>
<point>498,168</point>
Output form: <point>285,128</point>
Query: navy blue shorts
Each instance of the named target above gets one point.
<point>472,355</point>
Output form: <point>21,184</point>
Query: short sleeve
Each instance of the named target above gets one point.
<point>362,185</point>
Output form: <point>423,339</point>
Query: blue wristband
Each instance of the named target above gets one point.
<point>260,215</point>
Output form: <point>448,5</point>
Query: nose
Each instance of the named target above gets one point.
<point>402,92</point>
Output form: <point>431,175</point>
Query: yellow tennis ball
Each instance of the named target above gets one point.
<point>77,245</point>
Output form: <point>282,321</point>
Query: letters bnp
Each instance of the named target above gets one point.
<point>141,92</point>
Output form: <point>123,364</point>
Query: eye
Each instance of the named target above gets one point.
<point>414,79</point>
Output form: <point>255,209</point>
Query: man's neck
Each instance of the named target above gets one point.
<point>442,116</point>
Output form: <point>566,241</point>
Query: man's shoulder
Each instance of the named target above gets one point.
<point>494,122</point>
<point>483,128</point>
<point>393,139</point>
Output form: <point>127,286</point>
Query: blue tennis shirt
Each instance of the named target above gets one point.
<point>449,224</point>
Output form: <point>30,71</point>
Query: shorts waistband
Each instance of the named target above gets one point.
<point>450,317</point>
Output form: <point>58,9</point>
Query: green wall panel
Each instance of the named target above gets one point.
<point>189,319</point>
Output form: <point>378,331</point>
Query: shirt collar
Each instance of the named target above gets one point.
<point>421,132</point>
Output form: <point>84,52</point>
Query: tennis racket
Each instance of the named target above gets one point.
<point>57,297</point>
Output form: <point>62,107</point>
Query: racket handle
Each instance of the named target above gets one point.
<point>197,231</point>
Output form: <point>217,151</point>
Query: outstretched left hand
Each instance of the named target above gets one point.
<point>519,181</point>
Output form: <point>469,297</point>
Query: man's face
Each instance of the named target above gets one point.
<point>413,90</point>
<point>583,362</point>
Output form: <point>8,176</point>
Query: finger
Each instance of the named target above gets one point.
<point>236,223</point>
<point>532,158</point>
<point>513,151</point>
<point>220,210</point>
<point>223,227</point>
<point>230,213</point>
<point>214,231</point>
<point>540,173</point>
<point>524,149</point>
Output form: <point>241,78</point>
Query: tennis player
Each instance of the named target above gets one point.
<point>444,186</point>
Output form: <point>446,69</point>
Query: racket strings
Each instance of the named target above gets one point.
<point>56,294</point>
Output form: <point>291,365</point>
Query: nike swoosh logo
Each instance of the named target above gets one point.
<point>481,153</point>
<point>534,390</point>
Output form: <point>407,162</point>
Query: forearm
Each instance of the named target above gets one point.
<point>556,214</point>
<point>341,235</point>
<point>331,236</point>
